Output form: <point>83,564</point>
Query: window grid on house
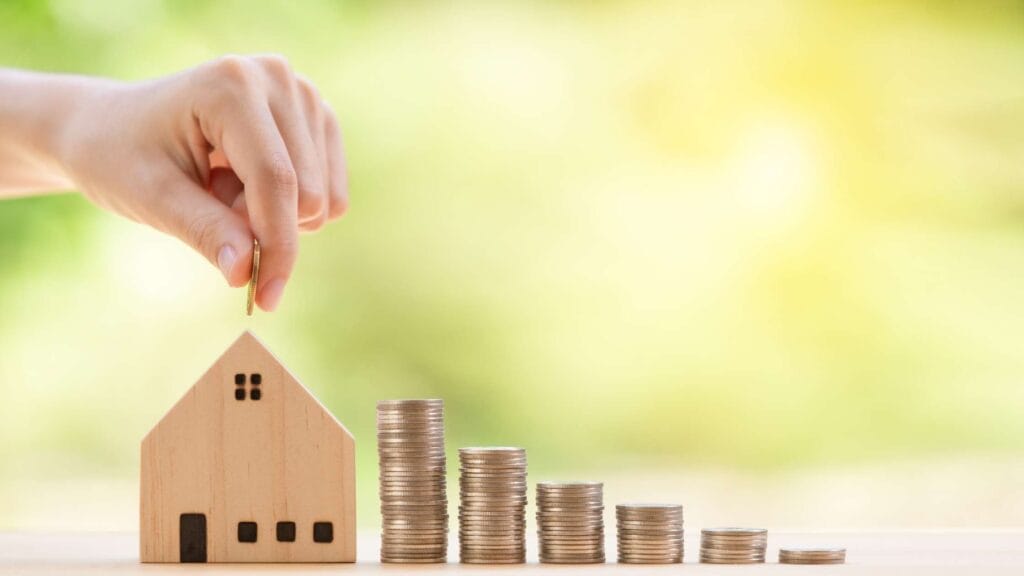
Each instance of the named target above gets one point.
<point>255,379</point>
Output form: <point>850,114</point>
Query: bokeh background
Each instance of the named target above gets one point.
<point>764,258</point>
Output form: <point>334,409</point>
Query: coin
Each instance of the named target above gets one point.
<point>254,278</point>
<point>491,557</point>
<point>570,525</point>
<point>410,558</point>
<point>551,558</point>
<point>395,534</point>
<point>732,532</point>
<point>812,555</point>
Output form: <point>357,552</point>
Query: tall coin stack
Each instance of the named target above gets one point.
<point>733,545</point>
<point>650,533</point>
<point>413,500</point>
<point>570,522</point>
<point>492,512</point>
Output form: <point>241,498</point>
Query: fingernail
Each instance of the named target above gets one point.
<point>271,294</point>
<point>226,260</point>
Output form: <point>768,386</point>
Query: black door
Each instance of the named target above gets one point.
<point>192,535</point>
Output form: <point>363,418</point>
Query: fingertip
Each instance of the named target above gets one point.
<point>312,203</point>
<point>269,296</point>
<point>339,207</point>
<point>226,258</point>
<point>314,225</point>
<point>235,264</point>
<point>276,263</point>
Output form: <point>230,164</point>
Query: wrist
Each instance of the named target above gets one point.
<point>37,112</point>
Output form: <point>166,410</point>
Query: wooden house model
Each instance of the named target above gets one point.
<point>248,467</point>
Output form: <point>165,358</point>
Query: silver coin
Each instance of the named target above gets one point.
<point>578,485</point>
<point>652,532</point>
<point>733,531</point>
<point>432,536</point>
<point>424,527</point>
<point>720,554</point>
<point>569,539</point>
<point>491,450</point>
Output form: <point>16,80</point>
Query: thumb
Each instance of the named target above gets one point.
<point>209,227</point>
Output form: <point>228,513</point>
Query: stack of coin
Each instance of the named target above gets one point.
<point>413,499</point>
<point>492,512</point>
<point>570,522</point>
<point>733,545</point>
<point>812,555</point>
<point>650,533</point>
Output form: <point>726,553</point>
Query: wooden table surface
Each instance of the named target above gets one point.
<point>974,552</point>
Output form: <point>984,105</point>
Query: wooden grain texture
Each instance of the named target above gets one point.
<point>282,457</point>
<point>936,553</point>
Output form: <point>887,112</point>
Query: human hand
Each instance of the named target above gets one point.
<point>233,148</point>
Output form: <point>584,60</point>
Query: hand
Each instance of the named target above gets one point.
<point>236,147</point>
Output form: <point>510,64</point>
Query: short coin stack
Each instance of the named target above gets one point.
<point>733,545</point>
<point>492,512</point>
<point>650,533</point>
<point>413,499</point>
<point>570,522</point>
<point>812,555</point>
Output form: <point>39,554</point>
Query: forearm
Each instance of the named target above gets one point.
<point>33,108</point>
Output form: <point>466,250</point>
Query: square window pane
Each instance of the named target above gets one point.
<point>255,394</point>
<point>239,393</point>
<point>286,531</point>
<point>323,532</point>
<point>256,379</point>
<point>246,531</point>
<point>239,379</point>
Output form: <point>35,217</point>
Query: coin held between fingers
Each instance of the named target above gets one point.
<point>254,279</point>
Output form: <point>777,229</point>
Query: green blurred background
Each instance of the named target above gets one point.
<point>764,258</point>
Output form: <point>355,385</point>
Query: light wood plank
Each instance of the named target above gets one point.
<point>940,553</point>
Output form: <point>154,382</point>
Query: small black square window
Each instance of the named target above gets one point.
<point>239,379</point>
<point>323,532</point>
<point>255,394</point>
<point>286,531</point>
<point>246,531</point>
<point>256,379</point>
<point>239,393</point>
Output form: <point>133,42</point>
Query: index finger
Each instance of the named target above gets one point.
<point>258,155</point>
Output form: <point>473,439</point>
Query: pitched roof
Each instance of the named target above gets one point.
<point>248,344</point>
